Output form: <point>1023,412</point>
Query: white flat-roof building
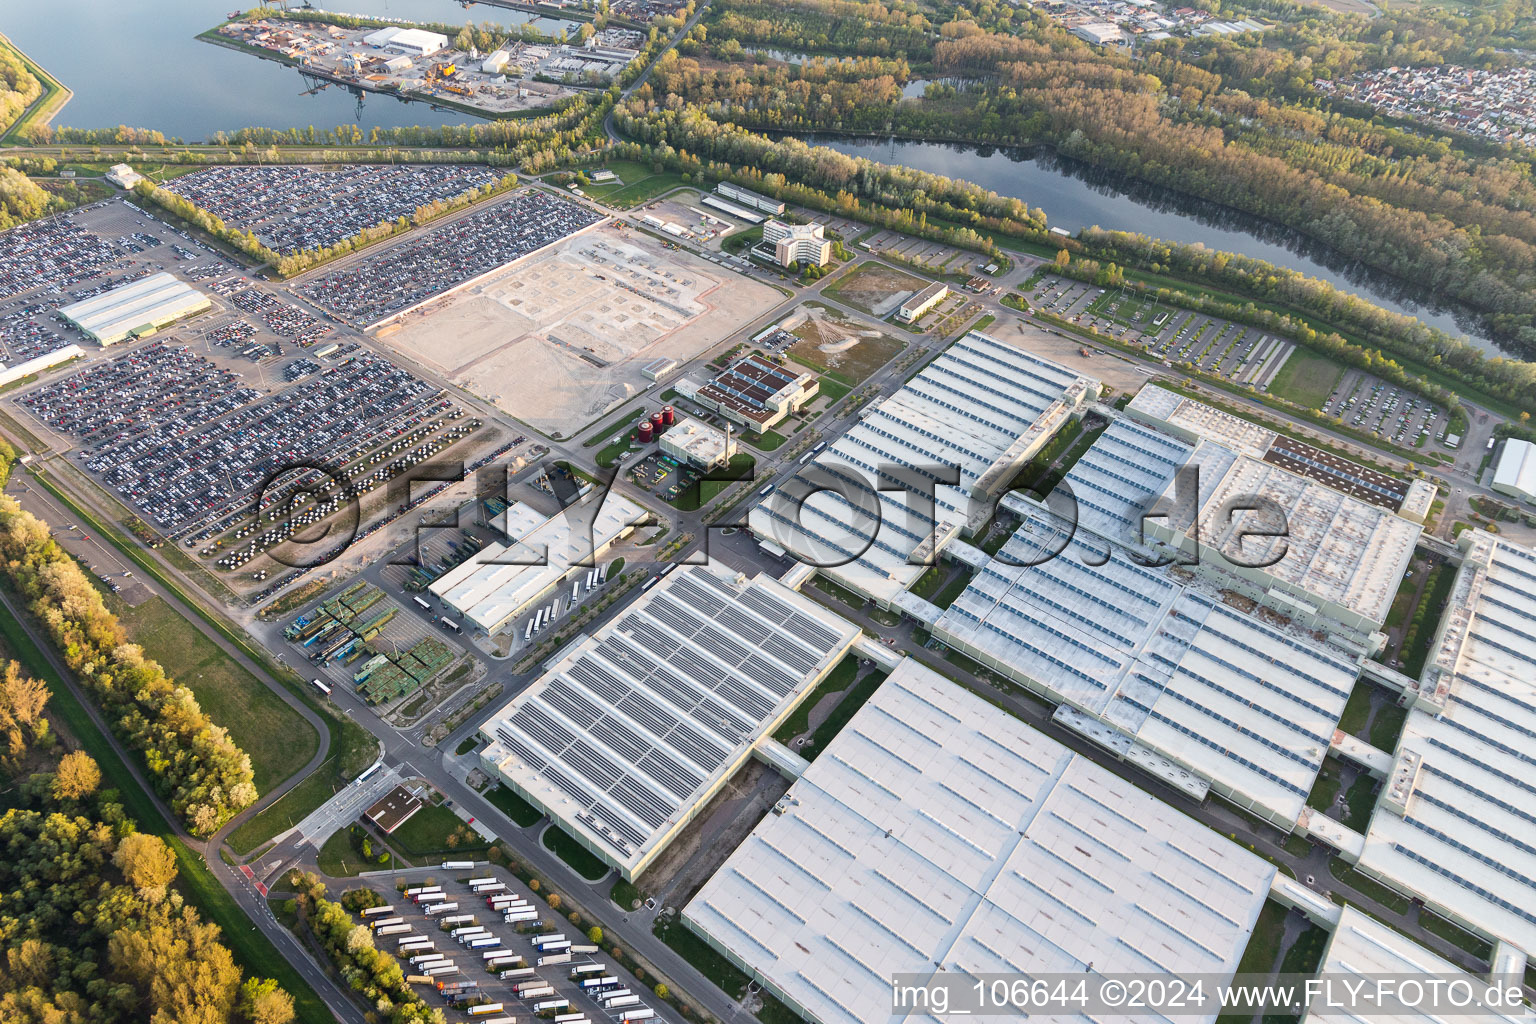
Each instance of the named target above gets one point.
<point>752,200</point>
<point>413,41</point>
<point>1455,825</point>
<point>123,176</point>
<point>37,364</point>
<point>495,62</point>
<point>922,301</point>
<point>1311,551</point>
<point>500,582</point>
<point>980,410</point>
<point>936,831</point>
<point>1099,33</point>
<point>1515,472</point>
<point>1166,674</point>
<point>136,309</point>
<point>632,731</point>
<point>697,443</point>
<point>1362,950</point>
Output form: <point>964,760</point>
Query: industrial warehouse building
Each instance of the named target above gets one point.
<point>1362,950</point>
<point>414,42</point>
<point>1515,472</point>
<point>1192,421</point>
<point>1167,674</point>
<point>498,583</point>
<point>696,443</point>
<point>921,302</point>
<point>757,393</point>
<point>983,407</point>
<point>751,200</point>
<point>625,738</point>
<point>135,309</point>
<point>1343,557</point>
<point>1454,825</point>
<point>37,364</point>
<point>935,831</point>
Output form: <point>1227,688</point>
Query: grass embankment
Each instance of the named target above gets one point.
<point>580,859</point>
<point>251,947</point>
<point>43,109</point>
<point>637,184</point>
<point>522,813</point>
<point>278,739</point>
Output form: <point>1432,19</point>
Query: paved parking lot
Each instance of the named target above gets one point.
<point>188,443</point>
<point>380,285</point>
<point>513,940</point>
<point>69,257</point>
<point>294,208</point>
<point>1370,404</point>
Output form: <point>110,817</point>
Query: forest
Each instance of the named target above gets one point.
<point>1235,121</point>
<point>19,88</point>
<point>192,762</point>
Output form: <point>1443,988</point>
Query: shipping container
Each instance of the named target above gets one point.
<point>458,865</point>
<point>581,969</point>
<point>444,969</point>
<point>485,943</point>
<point>454,920</point>
<point>603,982</point>
<point>418,979</point>
<point>615,1002</point>
<point>468,929</point>
<point>413,893</point>
<point>642,1013</point>
<point>517,916</point>
<point>483,890</point>
<point>583,948</point>
<point>447,907</point>
<point>481,881</point>
<point>517,972</point>
<point>554,958</point>
<point>427,958</point>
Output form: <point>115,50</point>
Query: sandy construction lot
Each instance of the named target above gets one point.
<point>561,338</point>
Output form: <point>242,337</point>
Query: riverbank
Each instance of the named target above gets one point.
<point>43,109</point>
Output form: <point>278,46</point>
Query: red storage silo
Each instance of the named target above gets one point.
<point>647,432</point>
<point>658,422</point>
<point>668,415</point>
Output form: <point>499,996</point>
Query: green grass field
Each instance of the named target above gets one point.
<point>639,184</point>
<point>432,829</point>
<point>1307,379</point>
<point>767,441</point>
<point>513,806</point>
<point>278,739</point>
<point>839,679</point>
<point>285,812</point>
<point>581,860</point>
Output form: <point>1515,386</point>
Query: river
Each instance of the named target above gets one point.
<point>1075,195</point>
<point>138,63</point>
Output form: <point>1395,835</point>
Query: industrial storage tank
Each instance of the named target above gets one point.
<point>646,431</point>
<point>668,415</point>
<point>658,422</point>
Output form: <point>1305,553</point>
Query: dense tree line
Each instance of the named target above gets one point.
<point>21,199</point>
<point>1425,209</point>
<point>905,199</point>
<point>19,87</point>
<point>365,969</point>
<point>868,28</point>
<point>193,763</point>
<point>91,930</point>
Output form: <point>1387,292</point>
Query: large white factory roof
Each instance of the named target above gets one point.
<point>983,406</point>
<point>499,581</point>
<point>630,731</point>
<point>1193,420</point>
<point>936,830</point>
<point>1362,949</point>
<point>1456,823</point>
<point>1248,706</point>
<point>1327,548</point>
<point>1516,469</point>
<point>152,301</point>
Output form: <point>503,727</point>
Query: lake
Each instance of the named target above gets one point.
<point>139,63</point>
<point>1074,196</point>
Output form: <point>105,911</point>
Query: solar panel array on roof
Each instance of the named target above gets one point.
<point>633,727</point>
